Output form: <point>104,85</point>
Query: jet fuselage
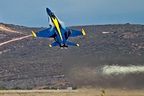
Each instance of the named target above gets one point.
<point>58,32</point>
<point>60,38</point>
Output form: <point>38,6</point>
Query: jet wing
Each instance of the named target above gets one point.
<point>73,33</point>
<point>47,33</point>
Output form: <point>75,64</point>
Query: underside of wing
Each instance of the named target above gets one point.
<point>73,33</point>
<point>47,33</point>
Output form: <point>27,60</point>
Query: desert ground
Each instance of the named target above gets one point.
<point>110,56</point>
<point>79,92</point>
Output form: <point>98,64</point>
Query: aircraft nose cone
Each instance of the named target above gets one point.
<point>48,10</point>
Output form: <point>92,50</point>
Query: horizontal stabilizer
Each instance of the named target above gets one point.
<point>72,44</point>
<point>54,44</point>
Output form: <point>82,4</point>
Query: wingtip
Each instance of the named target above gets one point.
<point>50,46</point>
<point>83,32</point>
<point>34,34</point>
<point>78,45</point>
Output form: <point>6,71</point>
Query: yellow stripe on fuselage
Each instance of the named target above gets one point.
<point>55,21</point>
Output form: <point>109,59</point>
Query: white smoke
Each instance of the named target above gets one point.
<point>114,69</point>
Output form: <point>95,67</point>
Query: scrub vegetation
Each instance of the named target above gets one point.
<point>30,63</point>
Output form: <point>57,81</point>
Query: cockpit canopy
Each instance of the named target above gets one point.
<point>52,15</point>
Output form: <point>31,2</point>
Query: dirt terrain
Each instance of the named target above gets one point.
<point>26,61</point>
<point>80,92</point>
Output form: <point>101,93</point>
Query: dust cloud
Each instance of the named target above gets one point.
<point>95,71</point>
<point>82,70</point>
<point>117,70</point>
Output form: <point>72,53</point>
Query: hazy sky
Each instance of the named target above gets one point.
<point>72,12</point>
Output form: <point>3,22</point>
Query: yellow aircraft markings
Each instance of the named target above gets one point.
<point>55,21</point>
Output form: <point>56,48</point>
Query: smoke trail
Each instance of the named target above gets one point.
<point>108,70</point>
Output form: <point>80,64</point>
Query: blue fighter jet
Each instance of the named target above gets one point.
<point>58,32</point>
